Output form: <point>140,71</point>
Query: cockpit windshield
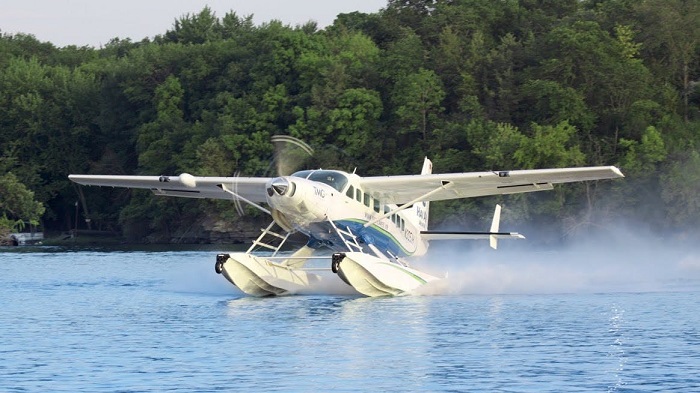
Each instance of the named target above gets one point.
<point>334,179</point>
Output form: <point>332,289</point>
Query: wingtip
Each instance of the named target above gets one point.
<point>78,179</point>
<point>617,171</point>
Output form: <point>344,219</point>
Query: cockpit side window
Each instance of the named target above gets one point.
<point>351,192</point>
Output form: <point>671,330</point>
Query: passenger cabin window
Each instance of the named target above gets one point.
<point>376,205</point>
<point>358,195</point>
<point>367,200</point>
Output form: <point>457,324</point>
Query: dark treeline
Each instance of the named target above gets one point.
<point>472,84</point>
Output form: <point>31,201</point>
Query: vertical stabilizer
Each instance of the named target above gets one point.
<point>421,209</point>
<point>495,225</point>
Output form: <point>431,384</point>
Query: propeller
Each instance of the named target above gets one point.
<point>290,154</point>
<point>237,201</point>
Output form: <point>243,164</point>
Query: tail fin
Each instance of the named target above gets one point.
<point>495,224</point>
<point>421,209</point>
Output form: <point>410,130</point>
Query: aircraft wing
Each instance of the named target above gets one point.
<point>407,188</point>
<point>184,185</point>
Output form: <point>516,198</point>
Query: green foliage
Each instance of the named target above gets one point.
<point>550,147</point>
<point>495,143</point>
<point>625,35</point>
<point>354,122</point>
<point>196,29</point>
<point>473,84</point>
<point>642,157</point>
<point>670,35</point>
<point>166,133</point>
<point>17,204</point>
<point>552,103</point>
<point>681,190</point>
<point>418,98</point>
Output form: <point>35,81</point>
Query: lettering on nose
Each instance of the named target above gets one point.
<point>320,192</point>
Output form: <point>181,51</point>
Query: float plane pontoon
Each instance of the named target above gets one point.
<point>365,227</point>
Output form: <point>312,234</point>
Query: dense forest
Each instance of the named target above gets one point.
<point>472,84</point>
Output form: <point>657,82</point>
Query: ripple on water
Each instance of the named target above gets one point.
<point>166,322</point>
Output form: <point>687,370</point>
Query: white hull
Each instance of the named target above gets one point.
<point>373,276</point>
<point>258,276</point>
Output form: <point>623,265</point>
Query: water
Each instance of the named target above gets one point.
<point>164,321</point>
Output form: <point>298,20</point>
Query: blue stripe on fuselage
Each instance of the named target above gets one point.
<point>322,234</point>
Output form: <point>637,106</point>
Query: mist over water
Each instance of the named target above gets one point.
<point>619,261</point>
<point>614,261</point>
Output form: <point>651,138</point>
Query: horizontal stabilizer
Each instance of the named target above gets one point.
<point>492,235</point>
<point>446,235</point>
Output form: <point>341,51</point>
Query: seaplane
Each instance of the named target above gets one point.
<point>367,229</point>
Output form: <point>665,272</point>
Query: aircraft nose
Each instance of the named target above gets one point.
<point>278,186</point>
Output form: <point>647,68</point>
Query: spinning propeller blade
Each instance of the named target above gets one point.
<point>290,154</point>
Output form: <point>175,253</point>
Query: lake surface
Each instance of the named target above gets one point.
<point>139,321</point>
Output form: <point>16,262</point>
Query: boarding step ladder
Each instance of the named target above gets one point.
<point>270,240</point>
<point>347,237</point>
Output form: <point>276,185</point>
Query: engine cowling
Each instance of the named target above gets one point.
<point>297,201</point>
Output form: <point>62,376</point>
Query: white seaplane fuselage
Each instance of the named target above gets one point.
<point>310,205</point>
<point>333,211</point>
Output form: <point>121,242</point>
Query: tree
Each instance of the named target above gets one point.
<point>404,56</point>
<point>601,68</point>
<point>354,122</point>
<point>196,28</point>
<point>548,102</point>
<point>418,98</point>
<point>17,205</point>
<point>495,143</point>
<point>641,158</point>
<point>162,139</point>
<point>680,192</point>
<point>550,147</point>
<point>671,41</point>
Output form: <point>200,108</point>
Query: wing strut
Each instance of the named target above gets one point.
<point>223,187</point>
<point>446,185</point>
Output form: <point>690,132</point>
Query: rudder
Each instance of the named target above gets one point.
<point>421,209</point>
